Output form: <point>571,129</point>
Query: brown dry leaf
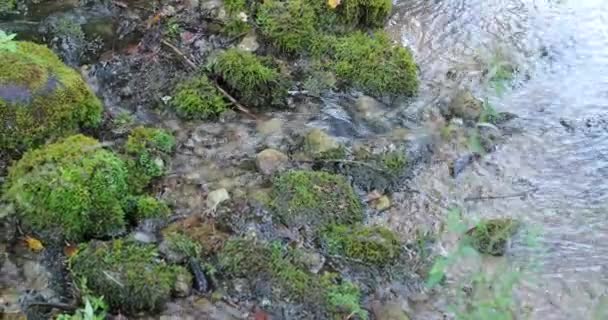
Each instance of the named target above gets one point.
<point>70,250</point>
<point>333,3</point>
<point>33,243</point>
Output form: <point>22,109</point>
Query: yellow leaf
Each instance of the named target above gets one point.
<point>33,243</point>
<point>333,3</point>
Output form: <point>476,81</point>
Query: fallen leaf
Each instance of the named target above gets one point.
<point>333,3</point>
<point>33,243</point>
<point>70,250</point>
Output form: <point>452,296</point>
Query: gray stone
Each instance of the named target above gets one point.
<point>249,42</point>
<point>271,126</point>
<point>271,161</point>
<point>389,311</point>
<point>183,285</point>
<point>214,198</point>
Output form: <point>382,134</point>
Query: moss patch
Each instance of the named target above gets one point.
<point>375,245</point>
<point>129,276</point>
<point>204,233</point>
<point>44,98</point>
<point>73,187</point>
<point>288,25</point>
<point>331,296</point>
<point>315,199</point>
<point>251,79</point>
<point>375,66</point>
<point>146,207</point>
<point>491,236</point>
<point>366,13</point>
<point>148,153</point>
<point>183,245</point>
<point>197,98</point>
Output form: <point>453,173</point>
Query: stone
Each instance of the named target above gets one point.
<point>249,42</point>
<point>271,161</point>
<point>183,285</point>
<point>464,105</point>
<point>317,142</point>
<point>389,311</point>
<point>369,107</point>
<point>271,126</point>
<point>214,198</point>
<point>382,203</point>
<point>313,260</point>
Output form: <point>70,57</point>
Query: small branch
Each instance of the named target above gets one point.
<point>507,196</point>
<point>220,89</point>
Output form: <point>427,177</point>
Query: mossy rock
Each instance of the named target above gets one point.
<point>366,13</point>
<point>491,236</point>
<point>148,152</point>
<point>253,80</point>
<point>41,98</point>
<point>73,187</point>
<point>314,199</point>
<point>332,297</point>
<point>376,245</point>
<point>375,66</point>
<point>129,276</point>
<point>197,98</point>
<point>288,25</point>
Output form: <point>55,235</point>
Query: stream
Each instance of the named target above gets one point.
<point>559,153</point>
<point>549,169</point>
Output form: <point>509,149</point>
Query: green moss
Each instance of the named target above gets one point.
<point>288,25</point>
<point>148,153</point>
<point>236,27</point>
<point>129,276</point>
<point>342,297</point>
<point>251,79</point>
<point>281,265</point>
<point>73,187</point>
<point>315,199</point>
<point>491,236</point>
<point>394,162</point>
<point>139,208</point>
<point>375,66</point>
<point>197,98</point>
<point>7,5</point>
<point>55,101</point>
<point>235,6</point>
<point>375,245</point>
<point>183,245</point>
<point>366,13</point>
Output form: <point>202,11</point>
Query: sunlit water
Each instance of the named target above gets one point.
<point>561,50</point>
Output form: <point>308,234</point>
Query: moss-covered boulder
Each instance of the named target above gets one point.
<point>73,187</point>
<point>129,276</point>
<point>148,152</point>
<point>138,208</point>
<point>376,245</point>
<point>491,236</point>
<point>41,98</point>
<point>288,25</point>
<point>331,297</point>
<point>253,80</point>
<point>197,98</point>
<point>374,65</point>
<point>312,199</point>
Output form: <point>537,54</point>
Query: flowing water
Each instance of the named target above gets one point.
<point>558,153</point>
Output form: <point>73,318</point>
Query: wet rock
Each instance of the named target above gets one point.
<point>183,285</point>
<point>389,311</point>
<point>144,237</point>
<point>369,108</point>
<point>272,126</point>
<point>464,105</point>
<point>318,142</point>
<point>382,203</point>
<point>200,280</point>
<point>458,165</point>
<point>249,42</point>
<point>214,198</point>
<point>271,161</point>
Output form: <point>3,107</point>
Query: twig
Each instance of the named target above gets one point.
<point>220,89</point>
<point>506,196</point>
